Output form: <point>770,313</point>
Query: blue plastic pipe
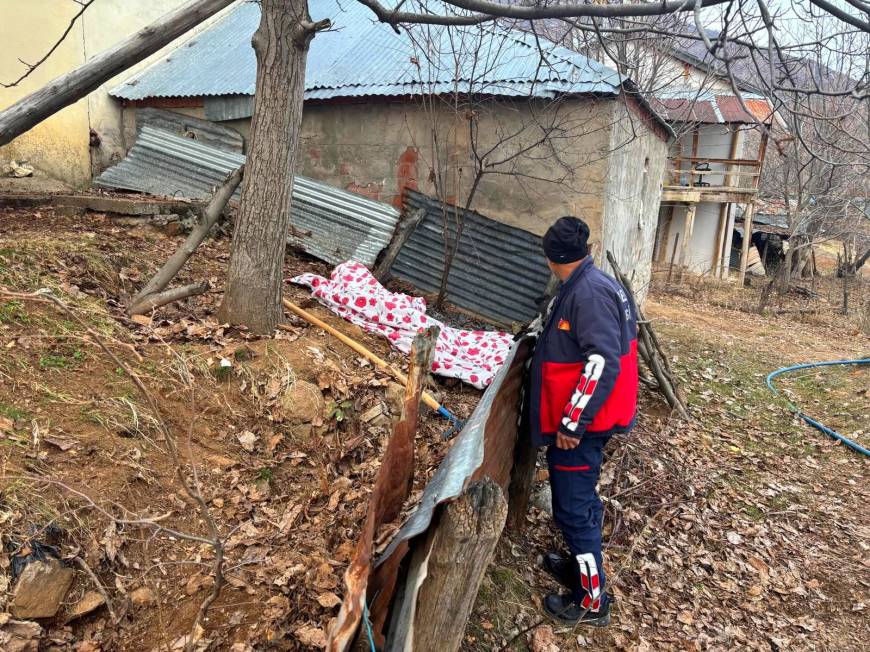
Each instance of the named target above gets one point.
<point>808,419</point>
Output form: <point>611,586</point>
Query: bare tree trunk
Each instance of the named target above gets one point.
<point>785,275</point>
<point>67,89</point>
<point>255,274</point>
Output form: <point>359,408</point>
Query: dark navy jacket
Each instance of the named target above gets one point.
<point>583,376</point>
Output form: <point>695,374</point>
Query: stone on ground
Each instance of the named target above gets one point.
<point>41,589</point>
<point>302,403</point>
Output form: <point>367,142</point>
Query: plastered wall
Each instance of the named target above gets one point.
<point>59,146</point>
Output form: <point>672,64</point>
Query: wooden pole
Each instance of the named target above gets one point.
<point>687,238</point>
<point>199,233</point>
<point>71,87</point>
<point>428,399</point>
<point>715,268</point>
<point>650,350</point>
<point>747,238</point>
<point>666,236</point>
<point>462,547</point>
<point>673,257</point>
<point>406,228</point>
<point>157,299</point>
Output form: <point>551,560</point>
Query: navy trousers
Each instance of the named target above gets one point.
<point>578,511</point>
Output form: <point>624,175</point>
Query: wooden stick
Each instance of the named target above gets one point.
<point>151,301</point>
<point>428,399</point>
<point>199,233</point>
<point>406,229</point>
<point>650,350</point>
<point>67,89</point>
<point>673,256</point>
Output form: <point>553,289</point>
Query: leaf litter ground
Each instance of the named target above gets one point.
<point>741,530</point>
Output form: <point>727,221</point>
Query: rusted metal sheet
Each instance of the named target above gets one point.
<point>707,107</point>
<point>733,111</point>
<point>685,110</point>
<point>392,486</point>
<point>484,448</point>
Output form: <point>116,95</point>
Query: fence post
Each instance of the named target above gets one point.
<point>464,544</point>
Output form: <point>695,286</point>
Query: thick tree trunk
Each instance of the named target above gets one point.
<point>255,274</point>
<point>66,89</point>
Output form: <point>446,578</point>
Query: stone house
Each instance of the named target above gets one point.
<point>386,111</point>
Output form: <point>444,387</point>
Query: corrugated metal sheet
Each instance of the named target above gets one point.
<point>332,224</point>
<point>363,57</point>
<point>498,273</point>
<point>202,131</point>
<point>228,107</point>
<point>484,449</point>
<point>709,107</point>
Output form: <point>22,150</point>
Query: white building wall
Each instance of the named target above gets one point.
<point>702,247</point>
<point>714,141</point>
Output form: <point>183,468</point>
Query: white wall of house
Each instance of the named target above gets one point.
<point>59,147</point>
<point>714,141</point>
<point>702,246</point>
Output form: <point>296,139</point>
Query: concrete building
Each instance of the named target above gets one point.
<point>62,147</point>
<point>714,167</point>
<point>386,111</point>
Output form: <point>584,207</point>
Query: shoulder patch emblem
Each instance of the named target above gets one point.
<point>564,325</point>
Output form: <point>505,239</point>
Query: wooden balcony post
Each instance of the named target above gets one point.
<point>687,238</point>
<point>747,238</point>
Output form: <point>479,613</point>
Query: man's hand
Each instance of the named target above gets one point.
<point>566,442</point>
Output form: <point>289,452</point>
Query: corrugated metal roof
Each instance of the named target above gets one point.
<point>332,224</point>
<point>709,107</point>
<point>498,272</point>
<point>362,57</point>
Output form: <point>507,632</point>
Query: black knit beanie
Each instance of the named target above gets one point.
<point>565,241</point>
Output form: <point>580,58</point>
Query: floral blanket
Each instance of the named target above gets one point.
<point>353,293</point>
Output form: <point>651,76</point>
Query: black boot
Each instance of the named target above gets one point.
<point>566,609</point>
<point>563,568</point>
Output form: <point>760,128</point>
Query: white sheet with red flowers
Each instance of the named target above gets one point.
<point>353,293</point>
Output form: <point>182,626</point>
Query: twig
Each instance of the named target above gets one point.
<point>102,589</point>
<point>31,67</point>
<point>151,301</point>
<point>176,261</point>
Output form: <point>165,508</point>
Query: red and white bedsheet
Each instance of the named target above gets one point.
<point>353,293</point>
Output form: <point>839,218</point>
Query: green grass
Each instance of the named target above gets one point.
<point>12,412</point>
<point>61,361</point>
<point>13,312</point>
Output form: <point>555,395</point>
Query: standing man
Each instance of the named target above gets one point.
<point>583,389</point>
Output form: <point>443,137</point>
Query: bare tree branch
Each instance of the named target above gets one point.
<point>31,67</point>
